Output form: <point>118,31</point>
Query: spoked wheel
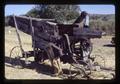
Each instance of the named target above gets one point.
<point>81,52</point>
<point>82,48</point>
<point>15,57</point>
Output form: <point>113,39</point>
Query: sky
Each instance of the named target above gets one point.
<point>98,9</point>
<point>17,9</point>
<point>92,9</point>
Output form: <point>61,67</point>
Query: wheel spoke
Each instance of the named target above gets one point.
<point>15,56</point>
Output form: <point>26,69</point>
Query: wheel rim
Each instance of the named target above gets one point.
<point>15,57</point>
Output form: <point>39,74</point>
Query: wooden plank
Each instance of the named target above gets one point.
<point>18,35</point>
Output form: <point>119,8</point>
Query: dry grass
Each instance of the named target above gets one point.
<point>99,48</point>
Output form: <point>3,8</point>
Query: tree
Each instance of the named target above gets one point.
<point>33,13</point>
<point>61,13</point>
<point>106,23</point>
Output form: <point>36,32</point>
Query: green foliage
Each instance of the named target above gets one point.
<point>61,13</point>
<point>33,13</point>
<point>105,23</point>
<point>69,13</point>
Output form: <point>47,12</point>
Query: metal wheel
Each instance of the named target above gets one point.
<point>15,57</point>
<point>76,52</point>
<point>87,47</point>
<point>81,52</point>
<point>81,48</point>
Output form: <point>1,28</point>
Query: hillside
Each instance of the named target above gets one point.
<point>102,22</point>
<point>104,17</point>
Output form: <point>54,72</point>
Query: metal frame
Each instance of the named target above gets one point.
<point>24,54</point>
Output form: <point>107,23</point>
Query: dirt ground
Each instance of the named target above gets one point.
<point>101,47</point>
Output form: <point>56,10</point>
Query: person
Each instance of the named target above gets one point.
<point>44,39</point>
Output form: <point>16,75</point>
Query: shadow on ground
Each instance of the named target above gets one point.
<point>109,45</point>
<point>40,68</point>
